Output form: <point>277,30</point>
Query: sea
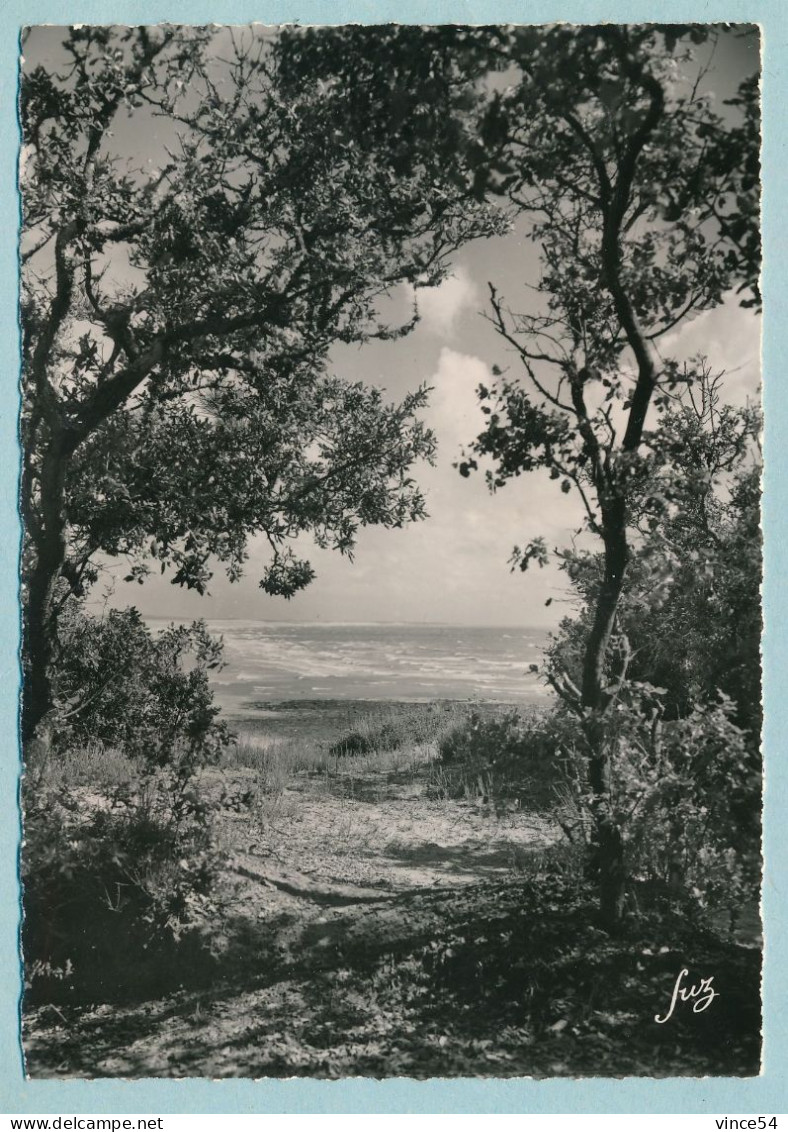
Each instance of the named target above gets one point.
<point>271,662</point>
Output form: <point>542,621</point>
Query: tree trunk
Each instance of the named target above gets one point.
<point>608,848</point>
<point>40,634</point>
<point>608,857</point>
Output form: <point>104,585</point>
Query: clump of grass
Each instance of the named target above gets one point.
<point>392,740</point>
<point>93,765</point>
<point>277,763</point>
<point>505,758</point>
<point>394,728</point>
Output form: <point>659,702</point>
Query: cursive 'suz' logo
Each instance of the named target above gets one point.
<point>701,995</point>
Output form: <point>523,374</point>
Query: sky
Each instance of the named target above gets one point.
<point>453,567</point>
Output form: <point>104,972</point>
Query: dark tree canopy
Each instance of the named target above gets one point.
<point>201,225</point>
<point>211,287</point>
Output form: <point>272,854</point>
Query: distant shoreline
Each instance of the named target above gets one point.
<point>354,624</point>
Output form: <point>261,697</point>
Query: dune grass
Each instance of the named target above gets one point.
<point>94,766</point>
<point>387,740</point>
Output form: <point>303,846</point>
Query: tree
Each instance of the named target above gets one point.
<point>690,608</point>
<point>180,297</point>
<point>691,619</point>
<point>641,199</point>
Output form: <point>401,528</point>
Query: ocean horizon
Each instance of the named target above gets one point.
<point>275,661</point>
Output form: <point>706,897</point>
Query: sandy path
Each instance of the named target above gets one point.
<point>387,835</point>
<point>320,878</point>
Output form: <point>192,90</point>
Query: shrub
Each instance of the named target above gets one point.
<point>118,861</point>
<point>503,758</point>
<point>120,685</point>
<point>363,740</point>
<point>686,794</point>
<point>696,826</point>
<point>400,726</point>
<point>115,890</point>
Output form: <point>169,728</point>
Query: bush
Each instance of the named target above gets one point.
<point>120,685</point>
<point>503,758</point>
<point>400,726</point>
<point>366,739</point>
<point>116,890</point>
<point>118,861</point>
<point>686,795</point>
<point>696,825</point>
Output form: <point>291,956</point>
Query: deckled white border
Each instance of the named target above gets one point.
<point>764,1094</point>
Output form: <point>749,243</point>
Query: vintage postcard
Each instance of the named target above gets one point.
<point>390,486</point>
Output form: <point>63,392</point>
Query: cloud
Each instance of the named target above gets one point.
<point>440,307</point>
<point>533,504</point>
<point>729,336</point>
<point>454,411</point>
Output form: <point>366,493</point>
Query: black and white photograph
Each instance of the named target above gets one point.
<point>391,571</point>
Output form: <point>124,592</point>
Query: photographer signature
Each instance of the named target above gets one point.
<point>701,995</point>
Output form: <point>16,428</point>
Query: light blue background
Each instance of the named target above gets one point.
<point>767,1094</point>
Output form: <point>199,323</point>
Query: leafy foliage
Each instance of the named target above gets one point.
<point>178,313</point>
<point>122,686</point>
<point>176,488</point>
<point>505,758</point>
<point>686,795</point>
<point>690,609</point>
<point>117,896</point>
<point>252,249</point>
<point>118,871</point>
